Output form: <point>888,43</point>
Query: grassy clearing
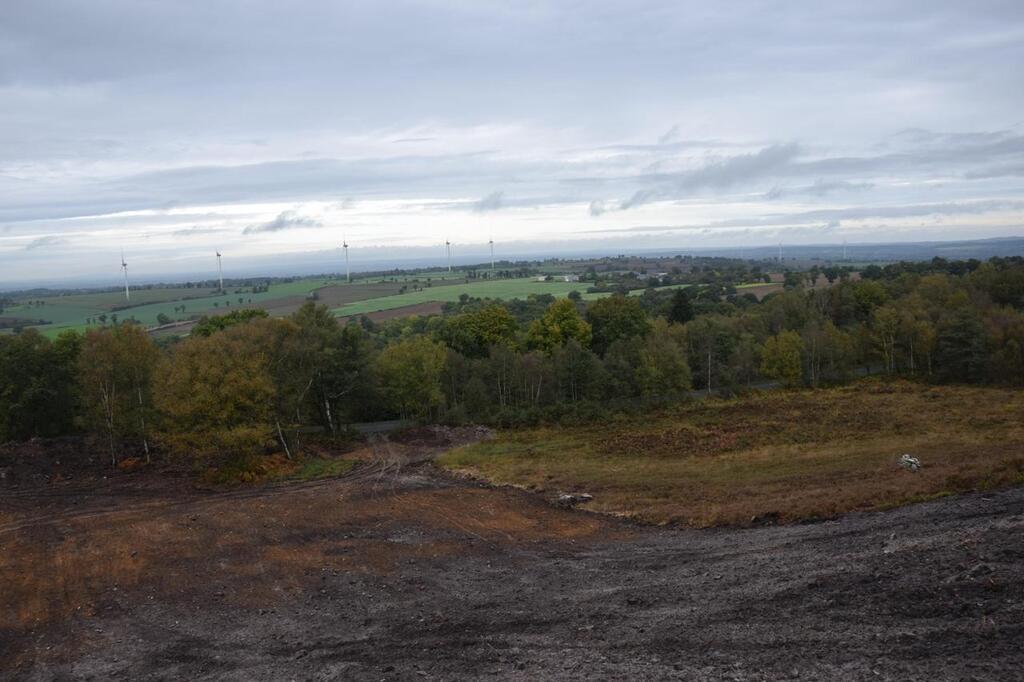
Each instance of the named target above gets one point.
<point>790,455</point>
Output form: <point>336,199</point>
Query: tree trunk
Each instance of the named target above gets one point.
<point>709,371</point>
<point>142,420</point>
<point>284,443</point>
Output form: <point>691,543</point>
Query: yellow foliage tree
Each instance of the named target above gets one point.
<point>216,395</point>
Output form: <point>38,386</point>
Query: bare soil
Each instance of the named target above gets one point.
<point>399,571</point>
<point>428,308</point>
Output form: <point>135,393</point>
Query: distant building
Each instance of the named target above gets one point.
<point>571,278</point>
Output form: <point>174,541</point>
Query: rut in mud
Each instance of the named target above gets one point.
<point>399,572</point>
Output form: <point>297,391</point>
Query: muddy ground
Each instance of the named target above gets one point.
<point>399,571</point>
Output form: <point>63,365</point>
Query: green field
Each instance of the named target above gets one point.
<point>363,295</point>
<point>73,311</point>
<point>505,289</point>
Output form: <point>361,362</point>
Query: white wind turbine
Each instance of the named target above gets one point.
<point>448,251</point>
<point>348,270</point>
<point>491,243</point>
<point>220,272</point>
<point>124,268</point>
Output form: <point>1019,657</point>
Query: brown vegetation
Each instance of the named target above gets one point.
<point>778,456</point>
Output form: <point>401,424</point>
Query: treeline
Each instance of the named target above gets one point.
<point>244,383</point>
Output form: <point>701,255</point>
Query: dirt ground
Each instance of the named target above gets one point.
<point>399,571</point>
<point>428,308</point>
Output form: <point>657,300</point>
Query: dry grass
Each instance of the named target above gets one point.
<point>792,455</point>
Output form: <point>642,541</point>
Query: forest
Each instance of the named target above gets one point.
<point>243,384</point>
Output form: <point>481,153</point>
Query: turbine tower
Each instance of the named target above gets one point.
<point>220,272</point>
<point>491,242</point>
<point>124,268</point>
<point>348,270</point>
<point>448,251</point>
<point>780,252</point>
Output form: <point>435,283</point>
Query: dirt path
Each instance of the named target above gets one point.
<point>400,572</point>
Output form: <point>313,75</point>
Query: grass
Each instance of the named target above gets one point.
<point>274,468</point>
<point>783,455</point>
<point>71,312</point>
<point>505,289</point>
<point>320,467</point>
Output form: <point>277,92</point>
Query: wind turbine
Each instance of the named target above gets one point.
<point>124,268</point>
<point>780,252</point>
<point>491,242</point>
<point>448,251</point>
<point>220,272</point>
<point>348,270</point>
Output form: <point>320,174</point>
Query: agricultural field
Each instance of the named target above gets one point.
<point>780,456</point>
<point>75,310</point>
<point>505,289</point>
<point>381,296</point>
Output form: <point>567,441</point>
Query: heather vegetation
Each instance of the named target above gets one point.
<point>245,384</point>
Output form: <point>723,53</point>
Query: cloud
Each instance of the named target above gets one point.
<point>740,168</point>
<point>715,174</point>
<point>43,242</point>
<point>639,198</point>
<point>285,220</point>
<point>873,212</point>
<point>597,208</point>
<point>491,202</point>
<point>198,231</point>
<point>669,135</point>
<point>1007,171</point>
<point>820,188</point>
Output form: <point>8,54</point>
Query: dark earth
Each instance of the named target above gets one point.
<point>400,571</point>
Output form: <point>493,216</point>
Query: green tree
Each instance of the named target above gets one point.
<point>579,372</point>
<point>211,325</point>
<point>216,396</point>
<point>663,370</point>
<point>115,379</point>
<point>472,334</point>
<point>680,310</point>
<point>560,323</point>
<point>410,374</point>
<point>340,377</point>
<point>38,394</point>
<point>613,318</point>
<point>781,358</point>
<point>961,352</point>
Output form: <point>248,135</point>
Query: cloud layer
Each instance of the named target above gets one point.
<point>168,129</point>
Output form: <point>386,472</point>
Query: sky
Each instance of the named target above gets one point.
<point>272,130</point>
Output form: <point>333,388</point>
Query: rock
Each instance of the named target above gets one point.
<point>766,519</point>
<point>573,499</point>
<point>910,463</point>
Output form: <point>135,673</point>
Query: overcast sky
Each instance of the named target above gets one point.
<point>266,128</point>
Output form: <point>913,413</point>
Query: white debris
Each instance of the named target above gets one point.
<point>910,463</point>
<point>572,499</point>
